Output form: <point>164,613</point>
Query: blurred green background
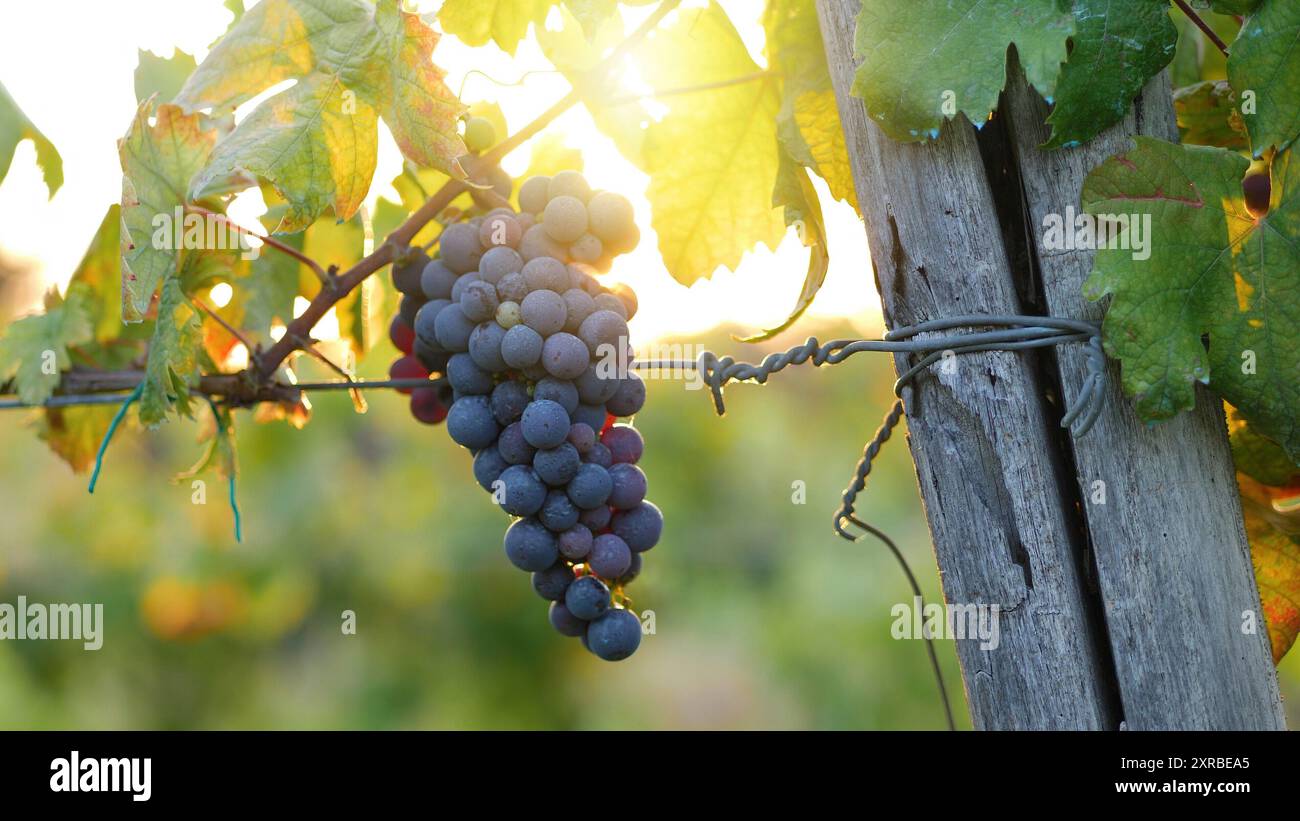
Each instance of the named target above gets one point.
<point>764,617</point>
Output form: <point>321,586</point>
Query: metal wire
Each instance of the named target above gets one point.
<point>1023,333</point>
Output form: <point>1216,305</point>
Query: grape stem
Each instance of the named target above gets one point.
<point>320,272</point>
<point>1203,26</point>
<point>401,237</point>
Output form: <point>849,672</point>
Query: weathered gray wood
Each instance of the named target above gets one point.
<point>1172,558</point>
<point>989,473</point>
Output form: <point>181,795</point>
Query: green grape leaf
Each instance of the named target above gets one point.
<point>809,121</point>
<point>1201,264</point>
<point>1208,115</point>
<point>163,76</point>
<point>550,155</point>
<point>1118,46</point>
<point>343,244</point>
<point>1257,456</point>
<point>818,118</point>
<point>14,128</point>
<point>620,117</point>
<point>34,350</point>
<point>1264,68</point>
<point>922,61</point>
<point>75,433</point>
<point>100,272</point>
<point>1234,6</point>
<point>218,432</point>
<point>504,22</point>
<point>795,193</point>
<point>712,159</point>
<point>317,151</point>
<point>1275,553</point>
<point>317,140</point>
<point>114,344</point>
<point>173,366</point>
<point>592,14</point>
<point>158,162</point>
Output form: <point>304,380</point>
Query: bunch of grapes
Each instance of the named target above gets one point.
<point>532,352</point>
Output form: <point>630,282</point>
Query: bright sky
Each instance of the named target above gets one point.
<point>69,65</point>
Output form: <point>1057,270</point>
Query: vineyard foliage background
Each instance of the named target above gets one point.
<point>736,144</point>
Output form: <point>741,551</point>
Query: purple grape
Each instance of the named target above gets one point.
<point>508,402</point>
<point>625,444</point>
<point>514,448</point>
<point>531,547</point>
<point>587,598</point>
<point>629,486</point>
<point>545,424</point>
<point>523,494</point>
<point>590,486</point>
<point>614,636</point>
<point>640,527</point>
<point>575,543</point>
<point>557,466</point>
<point>552,582</point>
<point>610,556</point>
<point>565,622</point>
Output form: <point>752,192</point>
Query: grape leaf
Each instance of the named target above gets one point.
<point>1234,6</point>
<point>343,244</point>
<point>173,365</point>
<point>74,433</point>
<point>579,58</point>
<point>319,151</point>
<point>818,118</point>
<point>34,349</point>
<point>504,22</point>
<point>794,191</point>
<point>1117,47</point>
<point>592,14</point>
<point>158,162</point>
<point>99,270</point>
<point>14,128</point>
<point>1213,269</point>
<point>809,121</point>
<point>163,76</point>
<point>1257,456</point>
<point>317,140</point>
<point>1265,60</point>
<point>550,156</point>
<point>919,57</point>
<point>218,431</point>
<point>1208,115</point>
<point>1275,554</point>
<point>712,159</point>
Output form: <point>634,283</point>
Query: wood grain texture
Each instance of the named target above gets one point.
<point>1172,558</point>
<point>989,471</point>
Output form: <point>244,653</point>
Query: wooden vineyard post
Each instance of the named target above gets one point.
<point>1118,560</point>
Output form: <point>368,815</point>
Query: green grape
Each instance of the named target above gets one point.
<point>532,194</point>
<point>587,248</point>
<point>480,134</point>
<point>611,217</point>
<point>508,314</point>
<point>569,184</point>
<point>565,218</point>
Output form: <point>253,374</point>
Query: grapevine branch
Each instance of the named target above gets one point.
<point>1203,26</point>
